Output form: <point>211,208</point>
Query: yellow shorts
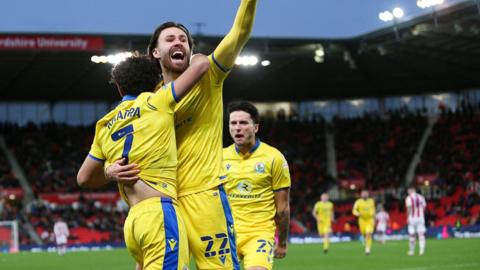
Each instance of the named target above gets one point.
<point>209,222</point>
<point>256,249</point>
<point>324,228</point>
<point>366,226</point>
<point>155,235</point>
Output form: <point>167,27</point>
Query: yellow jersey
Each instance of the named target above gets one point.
<point>324,211</point>
<point>364,209</point>
<point>252,180</point>
<point>199,115</point>
<point>141,129</point>
<point>198,127</point>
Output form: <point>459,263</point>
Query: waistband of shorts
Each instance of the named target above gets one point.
<point>150,203</point>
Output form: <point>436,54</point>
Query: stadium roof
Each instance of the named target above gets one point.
<point>423,56</point>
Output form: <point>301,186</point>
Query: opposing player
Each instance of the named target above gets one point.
<point>382,219</point>
<point>141,131</point>
<point>415,204</point>
<point>324,214</point>
<point>258,189</point>
<point>61,232</point>
<point>364,209</point>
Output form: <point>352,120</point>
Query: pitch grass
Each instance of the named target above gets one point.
<point>443,255</point>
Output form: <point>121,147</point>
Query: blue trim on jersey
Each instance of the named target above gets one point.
<point>173,93</point>
<point>222,68</point>
<point>231,236</point>
<point>95,158</point>
<point>128,97</point>
<point>171,234</point>
<point>222,177</point>
<point>254,148</point>
<point>127,147</point>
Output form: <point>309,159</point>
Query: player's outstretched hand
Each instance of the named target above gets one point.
<point>280,252</point>
<point>122,173</point>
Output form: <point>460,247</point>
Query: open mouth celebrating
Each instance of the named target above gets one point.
<point>177,55</point>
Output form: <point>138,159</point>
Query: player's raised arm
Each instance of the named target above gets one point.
<point>198,66</point>
<point>231,45</point>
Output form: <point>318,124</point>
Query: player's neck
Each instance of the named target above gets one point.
<point>246,147</point>
<point>169,76</point>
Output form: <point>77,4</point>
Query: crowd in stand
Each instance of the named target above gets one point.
<point>103,220</point>
<point>50,155</point>
<point>377,149</point>
<point>303,145</point>
<point>7,177</point>
<point>452,156</point>
<point>453,149</point>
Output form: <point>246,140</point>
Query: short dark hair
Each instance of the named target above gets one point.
<point>138,73</point>
<point>154,39</point>
<point>248,107</point>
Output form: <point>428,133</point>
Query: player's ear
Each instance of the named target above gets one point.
<point>156,53</point>
<point>255,128</point>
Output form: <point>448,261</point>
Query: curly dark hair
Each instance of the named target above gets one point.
<point>248,107</point>
<point>137,74</point>
<point>154,39</point>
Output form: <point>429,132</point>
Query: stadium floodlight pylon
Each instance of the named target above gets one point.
<point>9,236</point>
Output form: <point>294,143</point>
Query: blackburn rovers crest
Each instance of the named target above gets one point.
<point>260,167</point>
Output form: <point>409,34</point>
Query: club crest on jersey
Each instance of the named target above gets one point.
<point>245,187</point>
<point>260,167</point>
<point>228,166</point>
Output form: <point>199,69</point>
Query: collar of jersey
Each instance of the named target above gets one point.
<point>255,147</point>
<point>128,97</point>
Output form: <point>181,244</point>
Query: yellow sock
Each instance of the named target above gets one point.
<point>368,242</point>
<point>326,243</point>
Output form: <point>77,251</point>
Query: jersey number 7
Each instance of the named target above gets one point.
<point>128,132</point>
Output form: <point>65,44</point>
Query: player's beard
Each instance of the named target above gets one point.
<point>167,64</point>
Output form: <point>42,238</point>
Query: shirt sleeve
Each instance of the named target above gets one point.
<point>165,97</point>
<point>354,209</point>
<point>229,48</point>
<point>96,152</point>
<point>315,208</point>
<point>280,172</point>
